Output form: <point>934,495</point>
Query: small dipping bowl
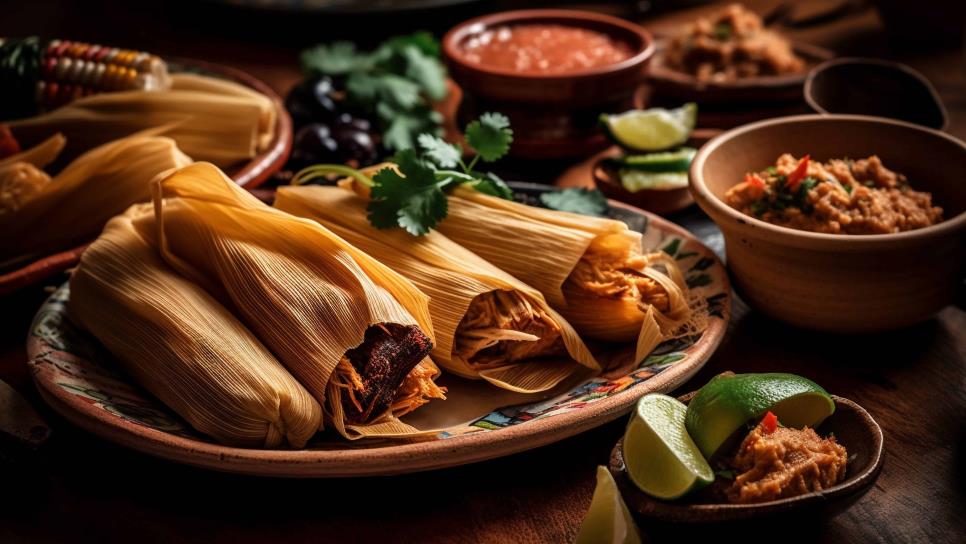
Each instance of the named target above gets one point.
<point>843,283</point>
<point>875,87</point>
<point>553,115</point>
<point>852,426</point>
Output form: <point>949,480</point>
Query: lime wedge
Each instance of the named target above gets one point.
<point>665,161</point>
<point>652,129</point>
<point>660,457</point>
<point>721,409</point>
<point>608,519</point>
<point>638,180</point>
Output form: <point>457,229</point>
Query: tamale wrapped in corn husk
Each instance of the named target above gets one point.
<point>212,120</point>
<point>590,269</point>
<point>488,324</point>
<point>182,345</point>
<point>73,208</point>
<point>354,333</point>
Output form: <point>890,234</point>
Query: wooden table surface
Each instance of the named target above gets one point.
<point>80,488</point>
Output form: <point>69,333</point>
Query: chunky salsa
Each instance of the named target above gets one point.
<point>544,48</point>
<point>841,196</point>
<point>731,45</point>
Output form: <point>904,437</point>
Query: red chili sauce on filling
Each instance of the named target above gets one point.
<point>544,48</point>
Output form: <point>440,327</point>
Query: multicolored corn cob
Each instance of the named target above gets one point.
<point>60,71</point>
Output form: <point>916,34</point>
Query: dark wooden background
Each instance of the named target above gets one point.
<point>80,488</point>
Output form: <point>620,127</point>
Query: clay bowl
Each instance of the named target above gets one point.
<point>553,115</point>
<point>659,201</point>
<point>684,87</point>
<point>875,87</point>
<point>831,282</point>
<point>854,428</point>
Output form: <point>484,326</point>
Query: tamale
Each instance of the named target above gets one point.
<point>590,269</point>
<point>488,324</point>
<point>183,346</point>
<point>19,182</point>
<point>75,205</point>
<point>212,120</point>
<point>353,332</point>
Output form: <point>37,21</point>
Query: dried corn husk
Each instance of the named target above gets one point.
<point>75,205</point>
<point>19,182</point>
<point>591,269</point>
<point>210,119</point>
<point>183,346</point>
<point>39,155</point>
<point>452,276</point>
<point>306,293</point>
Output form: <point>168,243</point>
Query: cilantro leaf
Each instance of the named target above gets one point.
<point>334,59</point>
<point>422,40</point>
<point>491,184</point>
<point>490,136</point>
<point>403,127</point>
<point>412,200</point>
<point>441,152</point>
<point>583,201</point>
<point>428,72</point>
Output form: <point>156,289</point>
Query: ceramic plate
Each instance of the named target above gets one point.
<point>79,380</point>
<point>250,174</point>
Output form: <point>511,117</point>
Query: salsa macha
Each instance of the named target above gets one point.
<point>544,48</point>
<point>841,196</point>
<point>731,45</point>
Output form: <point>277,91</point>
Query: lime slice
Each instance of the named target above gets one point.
<point>721,409</point>
<point>638,180</point>
<point>660,457</point>
<point>667,161</point>
<point>653,129</point>
<point>608,519</point>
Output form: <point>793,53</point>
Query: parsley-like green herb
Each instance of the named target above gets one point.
<point>576,200</point>
<point>395,83</point>
<point>414,197</point>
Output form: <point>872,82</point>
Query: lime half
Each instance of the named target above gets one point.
<point>608,520</point>
<point>660,457</point>
<point>724,405</point>
<point>677,160</point>
<point>653,129</point>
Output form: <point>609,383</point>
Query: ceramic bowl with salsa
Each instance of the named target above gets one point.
<point>552,72</point>
<point>867,234</point>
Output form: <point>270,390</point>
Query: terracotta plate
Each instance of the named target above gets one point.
<point>80,381</point>
<point>250,174</point>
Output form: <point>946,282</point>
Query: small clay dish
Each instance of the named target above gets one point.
<point>875,87</point>
<point>554,115</point>
<point>842,283</point>
<point>659,201</point>
<point>670,83</point>
<point>853,427</point>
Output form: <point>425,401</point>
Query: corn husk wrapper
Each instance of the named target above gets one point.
<point>19,182</point>
<point>211,119</point>
<point>307,294</point>
<point>543,248</point>
<point>449,274</point>
<point>183,346</point>
<point>75,205</point>
<point>39,155</point>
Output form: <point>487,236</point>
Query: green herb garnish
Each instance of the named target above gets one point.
<point>576,200</point>
<point>395,83</point>
<point>722,32</point>
<point>413,198</point>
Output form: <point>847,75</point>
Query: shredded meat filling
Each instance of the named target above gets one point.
<point>503,327</point>
<point>619,277</point>
<point>374,373</point>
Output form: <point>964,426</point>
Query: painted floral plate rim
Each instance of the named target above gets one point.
<point>101,400</point>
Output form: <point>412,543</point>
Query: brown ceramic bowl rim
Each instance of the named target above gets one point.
<point>456,35</point>
<point>905,68</point>
<point>829,241</point>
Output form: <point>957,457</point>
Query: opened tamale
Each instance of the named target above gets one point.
<point>591,269</point>
<point>74,206</point>
<point>488,324</point>
<point>182,345</point>
<point>211,119</point>
<point>354,332</point>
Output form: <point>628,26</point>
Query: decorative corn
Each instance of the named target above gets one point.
<point>61,71</point>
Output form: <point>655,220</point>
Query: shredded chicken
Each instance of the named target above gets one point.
<point>608,275</point>
<point>503,327</point>
<point>417,389</point>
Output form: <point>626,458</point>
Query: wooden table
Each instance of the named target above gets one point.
<point>82,488</point>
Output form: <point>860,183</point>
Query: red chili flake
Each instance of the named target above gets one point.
<point>798,174</point>
<point>769,423</point>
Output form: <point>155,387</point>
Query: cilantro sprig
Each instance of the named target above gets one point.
<point>396,83</point>
<point>413,195</point>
